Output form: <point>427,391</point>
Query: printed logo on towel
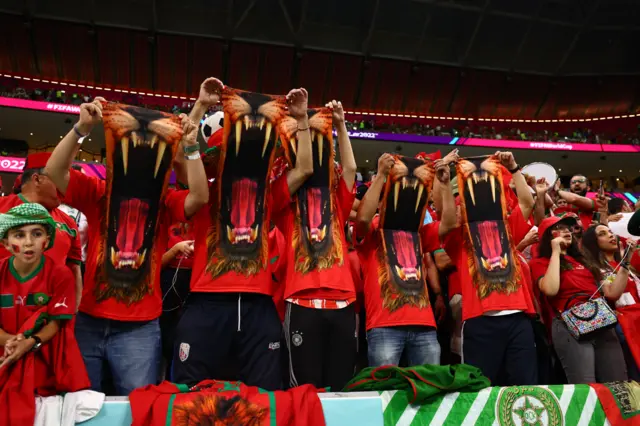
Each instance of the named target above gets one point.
<point>296,338</point>
<point>183,353</point>
<point>528,405</point>
<point>274,346</point>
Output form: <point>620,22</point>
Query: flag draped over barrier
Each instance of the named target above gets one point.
<point>555,405</point>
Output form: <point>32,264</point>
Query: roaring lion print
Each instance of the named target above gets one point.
<point>237,239</point>
<point>490,248</point>
<point>218,410</point>
<point>317,232</point>
<point>140,145</point>
<point>401,268</point>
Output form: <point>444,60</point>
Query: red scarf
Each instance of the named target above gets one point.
<point>60,361</point>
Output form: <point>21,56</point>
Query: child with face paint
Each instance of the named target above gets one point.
<point>40,354</point>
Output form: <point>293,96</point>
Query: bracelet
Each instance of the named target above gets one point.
<point>194,156</point>
<point>191,149</point>
<point>303,130</point>
<point>515,170</point>
<point>80,135</point>
<point>440,250</point>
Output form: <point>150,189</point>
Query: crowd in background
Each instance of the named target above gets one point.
<point>460,128</point>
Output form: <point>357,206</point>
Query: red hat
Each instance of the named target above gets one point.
<point>33,161</point>
<point>37,160</point>
<point>569,218</point>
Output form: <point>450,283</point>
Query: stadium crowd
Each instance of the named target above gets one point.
<point>281,272</point>
<point>460,128</point>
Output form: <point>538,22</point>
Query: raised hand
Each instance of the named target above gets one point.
<point>189,131</point>
<point>507,159</point>
<point>210,91</point>
<point>442,171</point>
<point>385,163</point>
<point>338,111</point>
<point>297,100</point>
<point>90,115</point>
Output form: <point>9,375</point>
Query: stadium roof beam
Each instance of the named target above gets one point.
<point>495,12</point>
<point>576,37</point>
<point>423,35</point>
<point>287,18</point>
<point>303,15</point>
<point>472,39</point>
<point>525,37</point>
<point>245,13</point>
<point>372,25</point>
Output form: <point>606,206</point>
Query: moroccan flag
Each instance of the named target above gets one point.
<point>213,402</point>
<point>629,319</point>
<point>518,405</point>
<point>620,402</point>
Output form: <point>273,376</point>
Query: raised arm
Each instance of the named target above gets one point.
<point>369,204</point>
<point>209,96</point>
<point>196,177</point>
<point>438,189</point>
<point>550,281</point>
<point>347,159</point>
<point>579,201</point>
<point>57,168</point>
<point>448,215</point>
<point>297,99</point>
<point>525,199</point>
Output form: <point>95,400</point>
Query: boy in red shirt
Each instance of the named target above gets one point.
<point>37,298</point>
<point>34,186</point>
<point>320,324</point>
<point>128,216</point>
<point>399,315</point>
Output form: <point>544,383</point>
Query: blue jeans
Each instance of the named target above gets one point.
<point>386,345</point>
<point>130,349</point>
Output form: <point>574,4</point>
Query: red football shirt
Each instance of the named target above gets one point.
<point>408,314</point>
<point>472,305</point>
<point>87,194</point>
<point>66,246</point>
<point>578,279</point>
<point>334,283</point>
<point>230,282</point>
<point>50,284</point>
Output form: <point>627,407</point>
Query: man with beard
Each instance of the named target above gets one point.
<point>34,186</point>
<point>121,328</point>
<point>577,199</point>
<point>230,320</point>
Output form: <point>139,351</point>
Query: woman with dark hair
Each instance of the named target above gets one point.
<point>604,248</point>
<point>568,277</point>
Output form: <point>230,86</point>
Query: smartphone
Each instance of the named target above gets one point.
<point>601,188</point>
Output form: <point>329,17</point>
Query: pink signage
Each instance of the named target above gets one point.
<point>39,106</point>
<point>552,146</point>
<point>620,148</point>
<point>11,164</point>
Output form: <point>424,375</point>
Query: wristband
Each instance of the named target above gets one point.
<point>194,156</point>
<point>440,250</point>
<point>190,149</point>
<point>515,170</point>
<point>80,135</point>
